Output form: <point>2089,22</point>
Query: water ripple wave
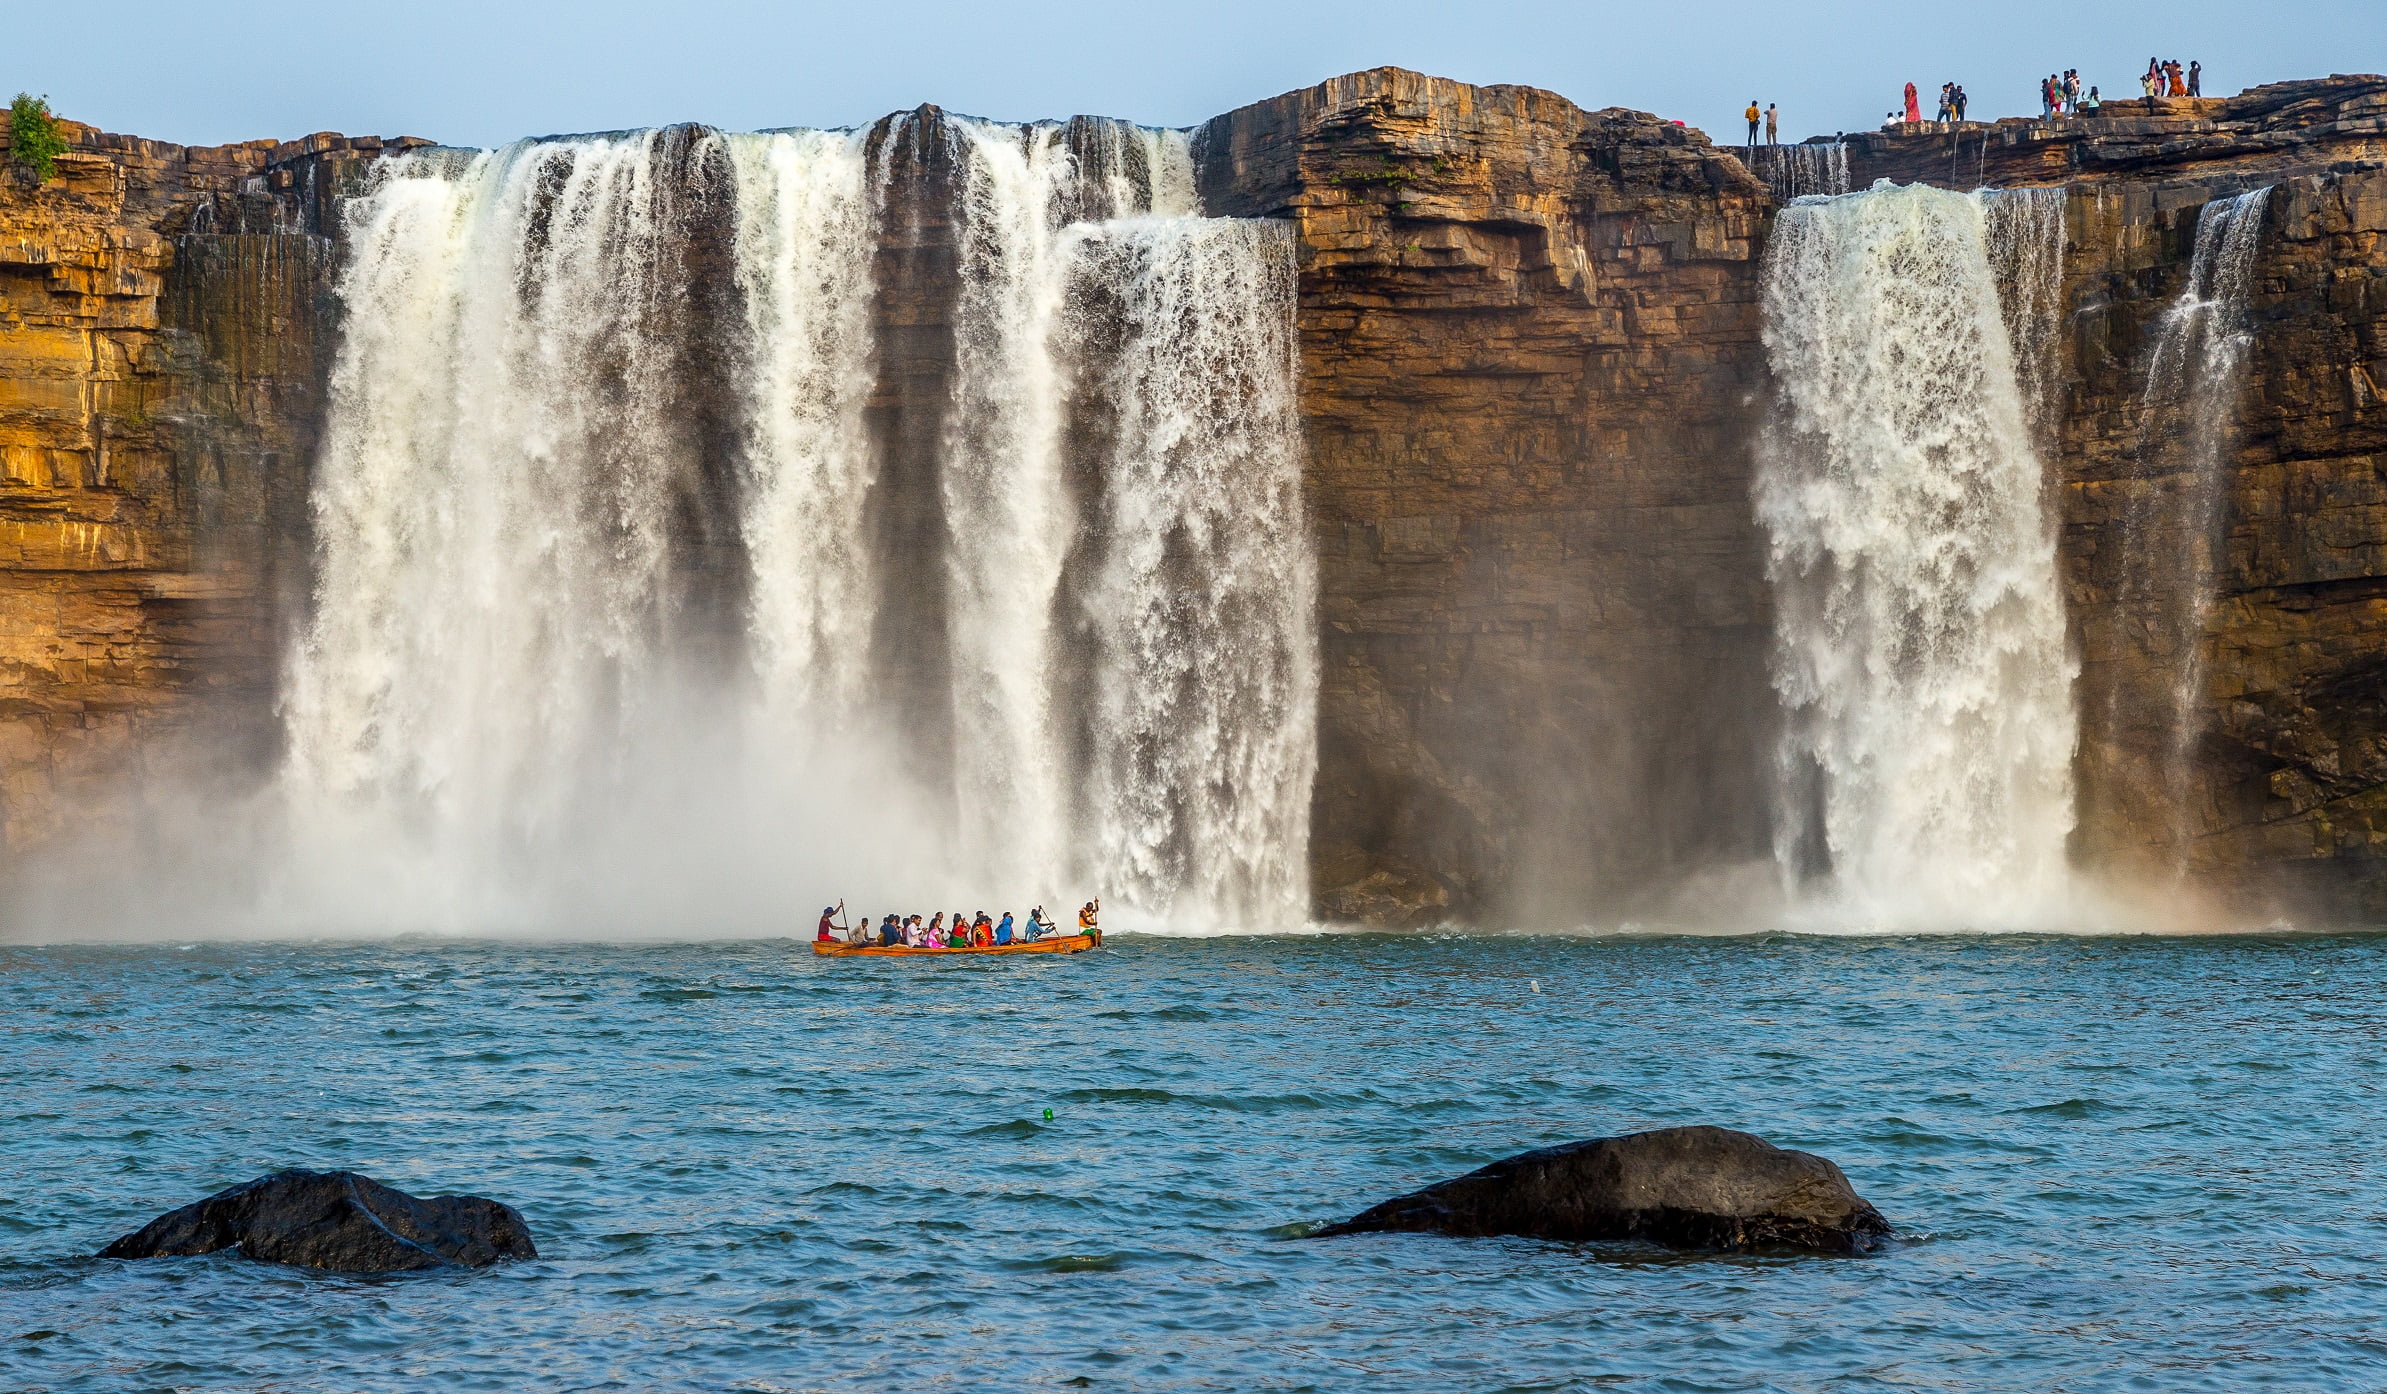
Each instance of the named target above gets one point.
<point>2117,1163</point>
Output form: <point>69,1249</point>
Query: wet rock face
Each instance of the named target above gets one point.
<point>1688,1188</point>
<point>2282,801</point>
<point>338,1221</point>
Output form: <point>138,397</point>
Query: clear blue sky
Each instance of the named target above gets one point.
<point>480,72</point>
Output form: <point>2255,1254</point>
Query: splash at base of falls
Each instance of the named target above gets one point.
<point>1920,651</point>
<point>605,636</point>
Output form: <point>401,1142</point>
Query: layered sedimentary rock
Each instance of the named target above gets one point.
<point>2276,797</point>
<point>2277,131</point>
<point>1530,376</point>
<point>1531,380</point>
<point>164,328</point>
<point>2273,781</point>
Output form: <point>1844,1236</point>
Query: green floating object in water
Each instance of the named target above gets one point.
<point>1048,1115</point>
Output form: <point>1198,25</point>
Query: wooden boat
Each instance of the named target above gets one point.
<point>1058,944</point>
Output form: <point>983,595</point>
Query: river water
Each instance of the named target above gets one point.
<point>2117,1163</point>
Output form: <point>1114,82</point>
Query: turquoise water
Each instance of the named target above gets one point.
<point>2118,1164</point>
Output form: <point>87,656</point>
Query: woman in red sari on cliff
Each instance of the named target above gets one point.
<point>1914,109</point>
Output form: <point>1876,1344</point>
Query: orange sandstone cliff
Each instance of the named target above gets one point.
<point>1532,379</point>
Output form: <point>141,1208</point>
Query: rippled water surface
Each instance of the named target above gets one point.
<point>2118,1163</point>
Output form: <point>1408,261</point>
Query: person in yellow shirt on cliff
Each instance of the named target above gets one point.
<point>1752,113</point>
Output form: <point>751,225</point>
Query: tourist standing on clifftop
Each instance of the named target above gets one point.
<point>2196,78</point>
<point>1751,113</point>
<point>1962,101</point>
<point>1771,125</point>
<point>1914,109</point>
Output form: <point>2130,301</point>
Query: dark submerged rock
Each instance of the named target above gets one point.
<point>1690,1188</point>
<point>335,1220</point>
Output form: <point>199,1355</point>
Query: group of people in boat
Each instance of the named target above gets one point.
<point>979,931</point>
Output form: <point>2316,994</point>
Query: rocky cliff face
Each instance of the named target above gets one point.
<point>164,331</point>
<point>1532,375</point>
<point>1550,681</point>
<point>1530,372</point>
<point>2266,134</point>
<point>2280,789</point>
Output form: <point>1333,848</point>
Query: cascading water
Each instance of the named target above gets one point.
<point>1196,614</point>
<point>1005,500</point>
<point>1920,650</point>
<point>804,249</point>
<point>1202,592</point>
<point>2188,415</point>
<point>491,501</point>
<point>564,358</point>
<point>1803,171</point>
<point>2026,254</point>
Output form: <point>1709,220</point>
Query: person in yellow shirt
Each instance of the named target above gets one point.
<point>1752,114</point>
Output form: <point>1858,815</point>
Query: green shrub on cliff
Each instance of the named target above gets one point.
<point>33,139</point>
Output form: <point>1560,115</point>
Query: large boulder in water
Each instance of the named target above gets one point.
<point>1691,1188</point>
<point>336,1220</point>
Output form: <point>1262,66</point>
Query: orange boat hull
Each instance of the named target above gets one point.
<point>1063,944</point>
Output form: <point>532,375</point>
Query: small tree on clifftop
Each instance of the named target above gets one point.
<point>33,139</point>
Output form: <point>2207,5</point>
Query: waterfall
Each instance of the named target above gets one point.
<point>804,247</point>
<point>1005,501</point>
<point>492,500</point>
<point>1202,595</point>
<point>2188,413</point>
<point>1920,651</point>
<point>612,409</point>
<point>2026,253</point>
<point>1816,168</point>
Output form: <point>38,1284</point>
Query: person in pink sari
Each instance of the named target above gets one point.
<point>1914,109</point>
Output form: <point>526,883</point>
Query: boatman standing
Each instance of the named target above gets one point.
<point>828,930</point>
<point>1086,915</point>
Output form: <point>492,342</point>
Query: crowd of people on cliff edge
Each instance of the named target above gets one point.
<point>981,931</point>
<point>2060,95</point>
